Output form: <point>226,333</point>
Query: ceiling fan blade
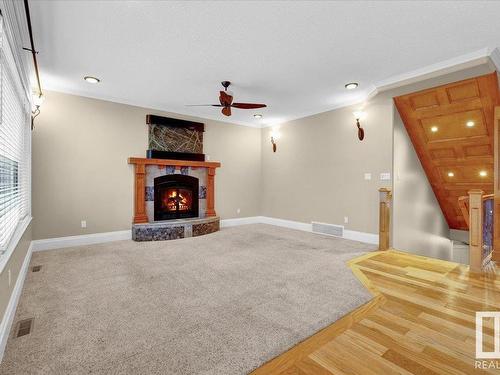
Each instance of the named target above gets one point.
<point>248,105</point>
<point>225,99</point>
<point>204,105</point>
<point>226,111</point>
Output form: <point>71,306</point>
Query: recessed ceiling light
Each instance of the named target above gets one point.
<point>257,116</point>
<point>483,173</point>
<point>434,129</point>
<point>91,79</point>
<point>470,124</point>
<point>451,174</point>
<point>351,85</point>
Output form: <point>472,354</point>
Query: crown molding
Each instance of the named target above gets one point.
<point>476,58</point>
<point>495,58</point>
<point>153,106</point>
<point>469,60</point>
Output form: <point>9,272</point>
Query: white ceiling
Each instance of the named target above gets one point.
<point>294,56</point>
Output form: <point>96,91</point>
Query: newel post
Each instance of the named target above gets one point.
<point>496,188</point>
<point>384,218</point>
<point>475,229</point>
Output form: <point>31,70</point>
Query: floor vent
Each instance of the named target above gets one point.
<point>24,327</point>
<point>36,268</point>
<point>330,229</point>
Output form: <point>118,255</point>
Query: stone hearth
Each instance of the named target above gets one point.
<point>175,229</point>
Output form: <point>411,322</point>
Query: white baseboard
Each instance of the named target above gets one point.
<point>361,236</point>
<point>371,238</point>
<point>85,239</point>
<point>226,223</point>
<point>10,311</point>
<point>287,223</point>
<point>90,239</point>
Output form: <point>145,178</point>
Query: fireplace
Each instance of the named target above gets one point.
<point>175,197</point>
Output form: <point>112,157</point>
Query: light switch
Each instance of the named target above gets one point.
<point>368,176</point>
<point>385,176</point>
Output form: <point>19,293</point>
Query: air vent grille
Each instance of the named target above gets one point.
<point>330,229</point>
<point>36,268</point>
<point>24,327</point>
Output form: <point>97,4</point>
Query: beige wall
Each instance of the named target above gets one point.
<point>80,170</point>
<point>317,173</point>
<point>14,264</point>
<point>418,222</point>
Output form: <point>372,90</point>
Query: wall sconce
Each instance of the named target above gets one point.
<point>275,135</point>
<point>38,99</point>
<point>359,115</point>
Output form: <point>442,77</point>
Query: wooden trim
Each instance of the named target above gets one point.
<point>384,218</point>
<point>475,229</point>
<point>463,204</point>
<point>210,192</point>
<point>279,364</point>
<point>174,163</point>
<point>496,188</point>
<point>140,215</point>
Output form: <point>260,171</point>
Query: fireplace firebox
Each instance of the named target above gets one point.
<point>175,197</point>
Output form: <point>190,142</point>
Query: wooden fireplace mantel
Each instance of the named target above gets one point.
<point>140,215</point>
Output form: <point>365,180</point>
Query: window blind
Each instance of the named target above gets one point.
<point>15,144</point>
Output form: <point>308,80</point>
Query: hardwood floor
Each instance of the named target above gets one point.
<point>421,321</point>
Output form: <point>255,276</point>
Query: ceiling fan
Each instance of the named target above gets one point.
<point>226,101</point>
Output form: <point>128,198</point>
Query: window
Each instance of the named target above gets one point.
<point>15,145</point>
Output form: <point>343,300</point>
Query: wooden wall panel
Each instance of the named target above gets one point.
<point>451,128</point>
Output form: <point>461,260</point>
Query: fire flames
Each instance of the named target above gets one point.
<point>176,199</point>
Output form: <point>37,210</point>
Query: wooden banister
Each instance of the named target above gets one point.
<point>463,204</point>
<point>496,188</point>
<point>384,218</point>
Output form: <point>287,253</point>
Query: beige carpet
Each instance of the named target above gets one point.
<point>219,304</point>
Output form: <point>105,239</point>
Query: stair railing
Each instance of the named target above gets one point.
<point>477,210</point>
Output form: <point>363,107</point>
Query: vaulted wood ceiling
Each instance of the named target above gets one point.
<point>451,128</point>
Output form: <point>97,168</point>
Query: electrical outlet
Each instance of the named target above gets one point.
<point>9,277</point>
<point>238,211</point>
<point>385,176</point>
<point>346,219</point>
<point>207,157</point>
<point>84,223</point>
<point>368,176</point>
